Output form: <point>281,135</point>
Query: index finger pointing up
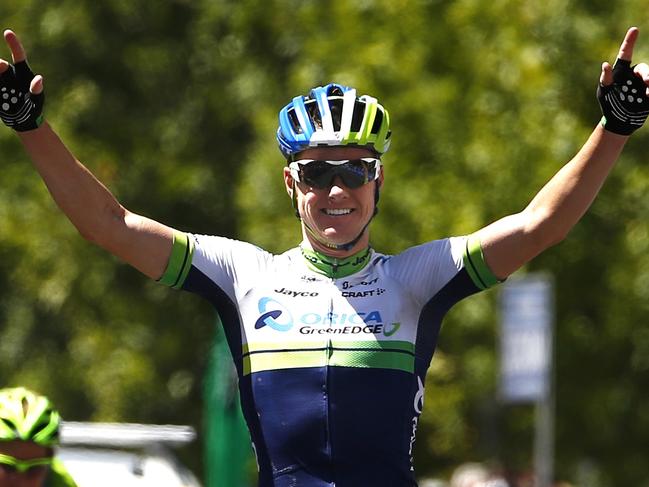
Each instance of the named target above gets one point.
<point>626,49</point>
<point>17,50</point>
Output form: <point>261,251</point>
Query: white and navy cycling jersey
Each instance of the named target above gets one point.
<point>331,354</point>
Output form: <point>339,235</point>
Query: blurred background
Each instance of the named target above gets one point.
<point>173,105</point>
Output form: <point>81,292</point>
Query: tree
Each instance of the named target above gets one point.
<point>174,104</point>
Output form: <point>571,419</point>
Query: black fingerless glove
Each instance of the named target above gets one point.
<point>20,109</point>
<point>624,103</point>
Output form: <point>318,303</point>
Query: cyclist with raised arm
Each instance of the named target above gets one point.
<point>29,431</point>
<point>331,339</point>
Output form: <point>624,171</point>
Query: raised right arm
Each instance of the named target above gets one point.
<point>89,205</point>
<point>93,210</point>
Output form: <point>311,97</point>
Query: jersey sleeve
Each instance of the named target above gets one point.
<point>180,261</point>
<point>474,262</point>
<point>428,268</point>
<point>199,262</point>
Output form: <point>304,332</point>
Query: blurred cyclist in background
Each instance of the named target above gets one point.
<point>29,431</point>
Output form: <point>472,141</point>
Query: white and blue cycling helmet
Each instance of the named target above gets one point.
<point>333,115</point>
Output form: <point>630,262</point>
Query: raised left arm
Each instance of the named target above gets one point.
<point>512,241</point>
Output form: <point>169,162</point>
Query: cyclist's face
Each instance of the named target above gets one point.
<point>23,450</point>
<point>337,213</point>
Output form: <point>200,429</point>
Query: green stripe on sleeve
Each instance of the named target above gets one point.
<point>180,261</point>
<point>476,266</point>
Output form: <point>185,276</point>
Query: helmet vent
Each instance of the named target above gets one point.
<point>10,424</point>
<point>314,114</point>
<point>40,426</point>
<point>376,126</point>
<point>335,90</point>
<point>336,107</point>
<point>357,117</point>
<point>295,123</point>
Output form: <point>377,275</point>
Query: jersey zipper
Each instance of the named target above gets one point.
<point>329,352</point>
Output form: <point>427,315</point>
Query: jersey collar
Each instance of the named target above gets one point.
<point>333,267</point>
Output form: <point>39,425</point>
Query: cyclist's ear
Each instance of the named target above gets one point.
<point>289,183</point>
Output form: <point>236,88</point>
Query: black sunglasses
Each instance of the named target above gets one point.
<point>320,174</point>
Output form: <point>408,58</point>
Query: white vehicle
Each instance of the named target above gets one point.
<point>128,455</point>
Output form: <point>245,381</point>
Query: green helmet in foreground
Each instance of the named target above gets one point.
<point>27,416</point>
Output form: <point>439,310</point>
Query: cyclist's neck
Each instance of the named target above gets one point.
<point>335,267</point>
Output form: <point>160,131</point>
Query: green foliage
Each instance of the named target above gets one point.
<point>174,104</point>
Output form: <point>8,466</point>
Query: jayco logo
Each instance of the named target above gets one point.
<point>269,318</point>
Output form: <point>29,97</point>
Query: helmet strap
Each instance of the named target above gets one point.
<point>294,201</point>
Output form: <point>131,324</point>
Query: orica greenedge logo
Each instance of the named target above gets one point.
<point>277,317</point>
<point>268,318</point>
